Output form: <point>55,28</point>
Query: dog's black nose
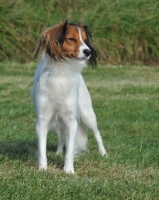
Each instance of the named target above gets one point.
<point>87,52</point>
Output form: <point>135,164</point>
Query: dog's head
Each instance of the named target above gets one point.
<point>67,40</point>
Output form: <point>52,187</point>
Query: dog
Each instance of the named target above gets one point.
<point>61,98</point>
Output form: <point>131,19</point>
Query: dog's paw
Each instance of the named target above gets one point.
<point>59,152</point>
<point>69,170</point>
<point>42,164</point>
<point>42,167</point>
<point>103,152</point>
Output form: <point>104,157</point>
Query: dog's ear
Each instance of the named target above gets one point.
<point>93,58</point>
<point>61,36</point>
<point>51,41</point>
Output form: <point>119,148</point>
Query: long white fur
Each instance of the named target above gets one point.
<point>63,104</point>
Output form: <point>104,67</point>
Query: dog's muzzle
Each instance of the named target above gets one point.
<point>87,52</point>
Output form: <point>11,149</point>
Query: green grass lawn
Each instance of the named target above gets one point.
<point>126,102</point>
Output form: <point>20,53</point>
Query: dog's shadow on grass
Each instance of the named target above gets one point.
<point>26,151</point>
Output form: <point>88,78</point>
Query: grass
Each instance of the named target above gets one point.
<point>126,101</point>
<point>126,31</point>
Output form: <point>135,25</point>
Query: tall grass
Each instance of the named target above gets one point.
<point>123,31</point>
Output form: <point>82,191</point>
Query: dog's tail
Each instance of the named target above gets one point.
<point>81,140</point>
<point>32,91</point>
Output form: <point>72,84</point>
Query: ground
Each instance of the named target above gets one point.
<point>126,102</point>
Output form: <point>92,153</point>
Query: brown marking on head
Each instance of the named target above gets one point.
<point>63,40</point>
<point>72,42</point>
<point>49,42</point>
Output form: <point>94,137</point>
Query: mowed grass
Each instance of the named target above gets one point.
<point>126,102</point>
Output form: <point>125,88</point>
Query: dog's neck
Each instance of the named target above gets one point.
<point>73,65</point>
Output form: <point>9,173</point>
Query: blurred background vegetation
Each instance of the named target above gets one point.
<point>124,31</point>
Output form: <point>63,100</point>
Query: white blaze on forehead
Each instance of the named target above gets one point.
<point>83,45</point>
<point>80,35</point>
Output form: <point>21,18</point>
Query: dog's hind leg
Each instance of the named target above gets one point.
<point>90,121</point>
<point>88,116</point>
<point>61,139</point>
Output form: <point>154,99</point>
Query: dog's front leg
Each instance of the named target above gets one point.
<point>42,129</point>
<point>70,145</point>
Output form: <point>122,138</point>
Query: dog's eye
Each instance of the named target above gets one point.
<point>71,39</point>
<point>86,41</point>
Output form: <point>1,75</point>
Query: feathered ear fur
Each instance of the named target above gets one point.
<point>51,41</point>
<point>92,60</point>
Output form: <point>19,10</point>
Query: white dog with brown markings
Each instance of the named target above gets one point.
<point>62,101</point>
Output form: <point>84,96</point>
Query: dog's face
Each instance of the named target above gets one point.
<point>67,40</point>
<point>74,43</point>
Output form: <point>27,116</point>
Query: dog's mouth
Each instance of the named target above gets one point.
<point>80,59</point>
<point>83,58</point>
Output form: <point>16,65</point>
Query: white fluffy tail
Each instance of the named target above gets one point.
<point>32,91</point>
<point>81,141</point>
